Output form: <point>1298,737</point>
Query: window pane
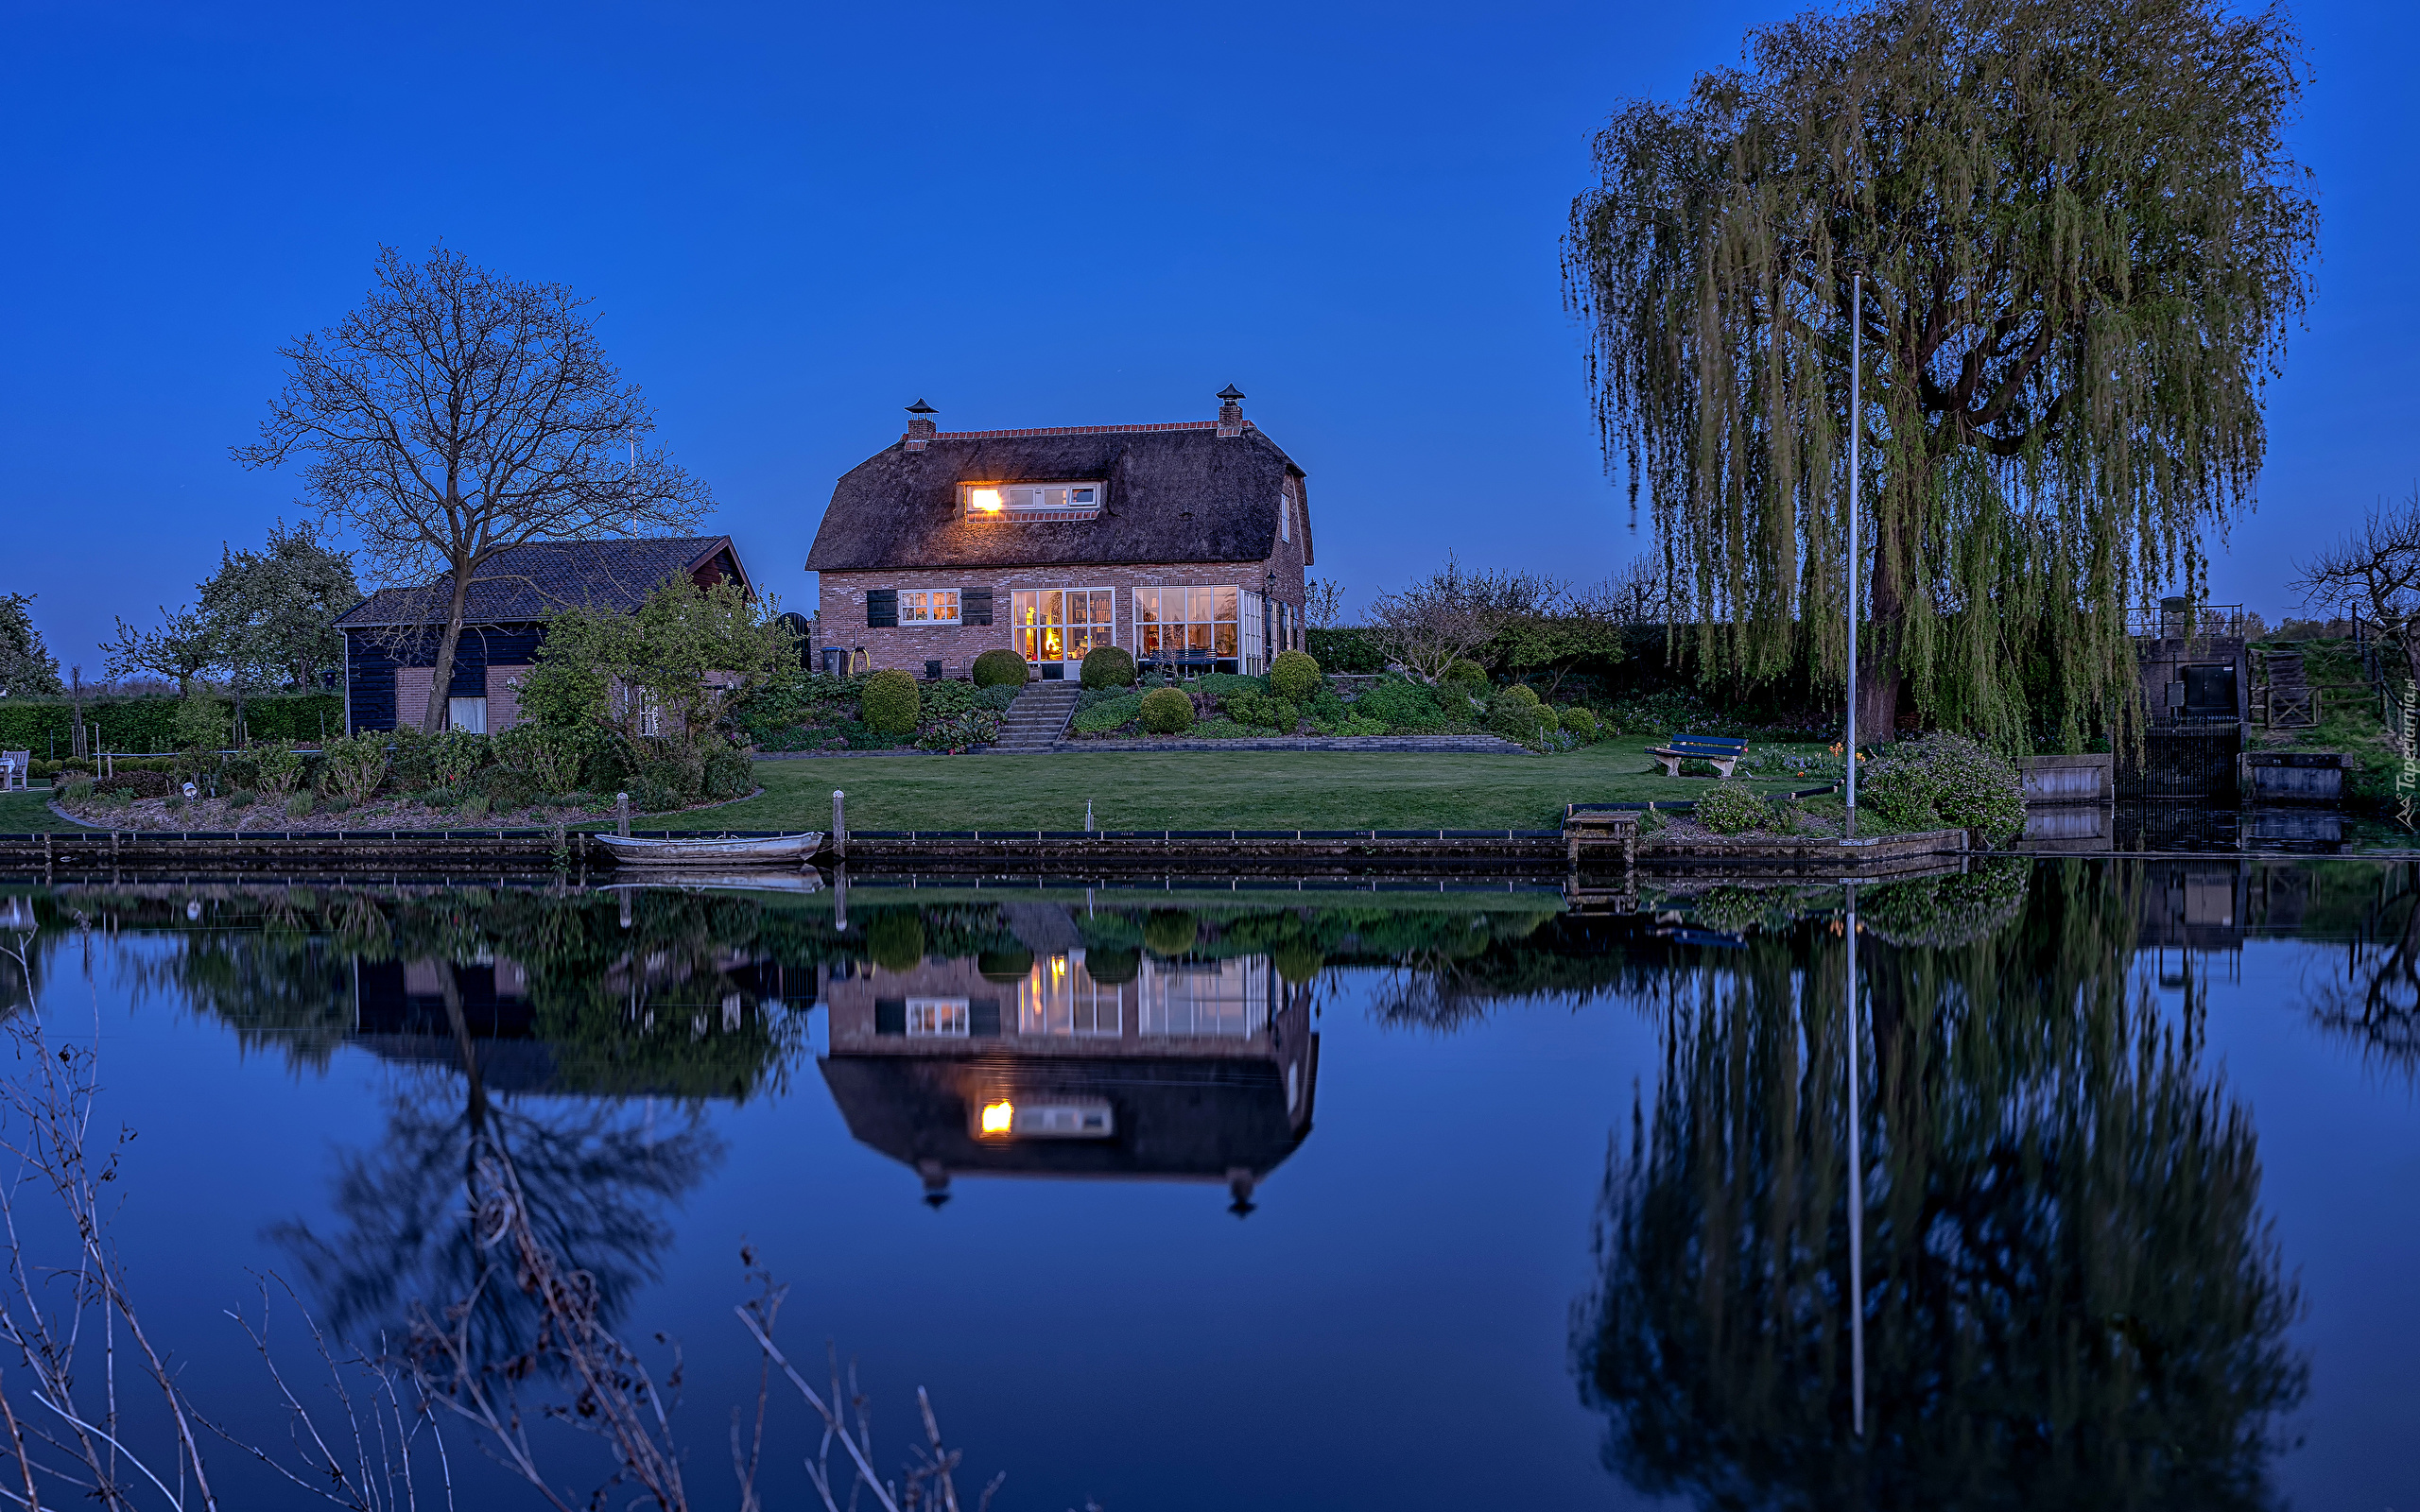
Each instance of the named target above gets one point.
<point>1226,602</point>
<point>1054,610</point>
<point>1226,638</point>
<point>1197,637</point>
<point>1147,606</point>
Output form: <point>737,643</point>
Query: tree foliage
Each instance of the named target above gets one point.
<point>672,666</point>
<point>270,613</point>
<point>458,413</point>
<point>2082,240</point>
<point>26,666</point>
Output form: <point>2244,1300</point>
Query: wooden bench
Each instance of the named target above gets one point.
<point>1588,825</point>
<point>1724,752</point>
<point>13,766</point>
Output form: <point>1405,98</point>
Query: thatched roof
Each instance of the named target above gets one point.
<point>530,582</point>
<point>1175,493</point>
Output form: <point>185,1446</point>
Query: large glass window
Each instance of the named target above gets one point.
<point>1062,623</point>
<point>938,1017</point>
<point>1059,996</point>
<point>1188,624</point>
<point>1225,999</point>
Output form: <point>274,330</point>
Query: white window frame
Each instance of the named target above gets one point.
<point>939,1019</point>
<point>1026,500</point>
<point>476,711</point>
<point>927,601</point>
<point>1285,517</point>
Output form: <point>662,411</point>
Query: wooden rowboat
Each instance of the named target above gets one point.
<point>721,853</point>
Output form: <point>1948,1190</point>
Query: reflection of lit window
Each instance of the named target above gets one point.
<point>938,605</point>
<point>999,1118</point>
<point>1229,998</point>
<point>1003,1119</point>
<point>1059,996</point>
<point>937,1017</point>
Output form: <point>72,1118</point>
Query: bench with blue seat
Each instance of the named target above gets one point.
<point>1723,751</point>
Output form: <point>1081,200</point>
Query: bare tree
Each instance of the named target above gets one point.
<point>2374,570</point>
<point>458,413</point>
<point>1322,603</point>
<point>1445,616</point>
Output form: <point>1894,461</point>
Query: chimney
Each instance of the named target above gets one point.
<point>1230,411</point>
<point>921,427</point>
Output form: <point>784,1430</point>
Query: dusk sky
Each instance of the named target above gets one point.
<point>794,220</point>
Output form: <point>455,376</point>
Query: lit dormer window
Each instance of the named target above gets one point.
<point>1029,501</point>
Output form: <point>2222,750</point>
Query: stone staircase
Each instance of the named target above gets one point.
<point>1038,716</point>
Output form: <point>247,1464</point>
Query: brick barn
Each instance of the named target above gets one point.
<point>1186,543</point>
<point>390,638</point>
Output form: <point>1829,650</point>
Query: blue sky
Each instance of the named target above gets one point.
<point>794,220</point>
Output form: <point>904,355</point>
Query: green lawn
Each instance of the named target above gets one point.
<point>1204,790</point>
<point>30,814</point>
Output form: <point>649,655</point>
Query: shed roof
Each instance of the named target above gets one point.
<point>1175,492</point>
<point>530,582</point>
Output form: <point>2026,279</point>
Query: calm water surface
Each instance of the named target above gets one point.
<point>1320,1200</point>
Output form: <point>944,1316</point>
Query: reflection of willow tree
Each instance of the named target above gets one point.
<point>2071,1298</point>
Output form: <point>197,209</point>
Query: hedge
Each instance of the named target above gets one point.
<point>42,725</point>
<point>1345,650</point>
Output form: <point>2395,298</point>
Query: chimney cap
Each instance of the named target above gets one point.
<point>920,408</point>
<point>1231,393</point>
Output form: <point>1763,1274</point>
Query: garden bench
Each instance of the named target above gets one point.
<point>1724,752</point>
<point>12,768</point>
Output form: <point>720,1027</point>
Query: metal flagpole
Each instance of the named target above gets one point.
<point>1856,425</point>
<point>1856,1199</point>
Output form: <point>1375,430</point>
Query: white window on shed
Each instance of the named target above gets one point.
<point>469,715</point>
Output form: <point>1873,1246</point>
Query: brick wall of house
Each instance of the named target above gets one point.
<point>504,697</point>
<point>841,603</point>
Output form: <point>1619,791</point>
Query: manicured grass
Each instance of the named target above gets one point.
<point>29,813</point>
<point>1202,790</point>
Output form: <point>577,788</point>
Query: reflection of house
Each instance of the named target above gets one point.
<point>400,1014</point>
<point>1190,1071</point>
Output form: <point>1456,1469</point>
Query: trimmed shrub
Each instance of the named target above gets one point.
<point>1000,668</point>
<point>1109,714</point>
<point>1004,966</point>
<point>1114,966</point>
<point>895,940</point>
<point>1170,932</point>
<point>1519,692</point>
<point>1345,650</point>
<point>1581,721</point>
<point>1944,779</point>
<point>1106,666</point>
<point>891,701</point>
<point>1252,707</point>
<point>1522,723</point>
<point>1167,711</point>
<point>1731,810</point>
<point>1467,676</point>
<point>135,785</point>
<point>1298,961</point>
<point>1294,675</point>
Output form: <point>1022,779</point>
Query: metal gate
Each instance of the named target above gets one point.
<point>2188,761</point>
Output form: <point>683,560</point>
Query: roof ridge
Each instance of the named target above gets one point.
<point>1080,430</point>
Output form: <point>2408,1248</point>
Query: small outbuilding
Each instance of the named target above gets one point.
<point>390,638</point>
<point>1185,542</point>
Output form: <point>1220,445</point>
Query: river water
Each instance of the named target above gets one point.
<point>1304,1198</point>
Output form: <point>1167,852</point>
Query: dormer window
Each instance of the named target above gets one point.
<point>1029,501</point>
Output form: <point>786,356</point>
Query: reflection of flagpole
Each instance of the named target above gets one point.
<point>1856,1199</point>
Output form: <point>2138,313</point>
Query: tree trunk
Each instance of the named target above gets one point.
<point>434,720</point>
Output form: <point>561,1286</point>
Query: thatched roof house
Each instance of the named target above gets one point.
<point>390,637</point>
<point>1185,542</point>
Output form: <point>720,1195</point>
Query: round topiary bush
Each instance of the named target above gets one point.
<point>1467,676</point>
<point>1001,668</point>
<point>1114,967</point>
<point>1730,810</point>
<point>1004,966</point>
<point>1519,693</point>
<point>895,940</point>
<point>1170,932</point>
<point>1580,720</point>
<point>1294,675</point>
<point>1106,666</point>
<point>891,701</point>
<point>1297,961</point>
<point>1167,711</point>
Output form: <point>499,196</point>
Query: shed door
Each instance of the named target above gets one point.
<point>2209,691</point>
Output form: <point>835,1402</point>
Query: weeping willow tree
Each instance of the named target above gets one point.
<point>2082,240</point>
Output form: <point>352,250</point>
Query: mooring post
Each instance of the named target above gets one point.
<point>840,829</point>
<point>841,899</point>
<point>622,814</point>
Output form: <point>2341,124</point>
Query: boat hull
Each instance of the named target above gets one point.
<point>719,853</point>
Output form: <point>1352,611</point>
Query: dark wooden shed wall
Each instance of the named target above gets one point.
<point>376,653</point>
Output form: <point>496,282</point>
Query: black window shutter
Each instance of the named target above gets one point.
<point>975,605</point>
<point>983,1018</point>
<point>882,606</point>
<point>891,1015</point>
